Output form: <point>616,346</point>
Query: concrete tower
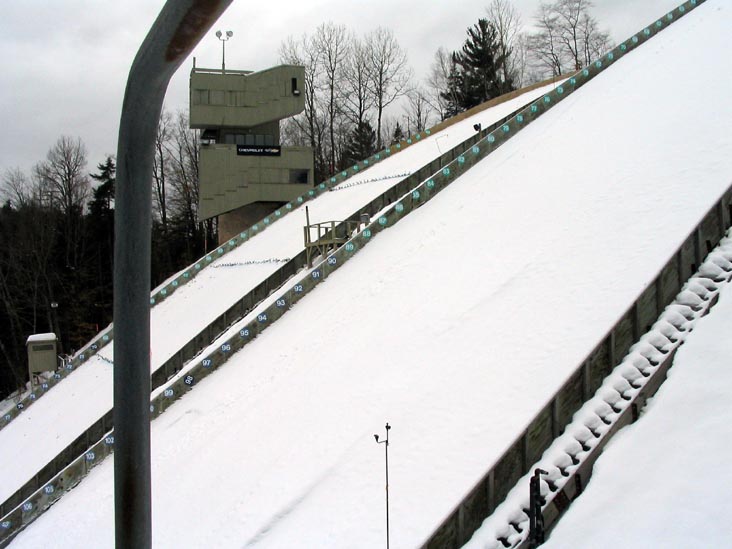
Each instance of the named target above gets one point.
<point>244,171</point>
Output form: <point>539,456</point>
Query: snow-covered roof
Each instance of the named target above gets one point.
<point>37,338</point>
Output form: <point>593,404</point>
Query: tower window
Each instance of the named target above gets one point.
<point>200,97</point>
<point>299,176</point>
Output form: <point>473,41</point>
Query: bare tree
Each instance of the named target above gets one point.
<point>62,175</point>
<point>357,100</point>
<point>63,181</point>
<point>438,83</point>
<point>418,110</point>
<point>568,36</point>
<point>570,15</point>
<point>545,45</point>
<point>595,42</point>
<point>507,22</point>
<point>27,278</point>
<point>333,42</point>
<point>160,168</point>
<point>16,188</point>
<point>310,123</point>
<point>520,61</point>
<point>389,73</point>
<point>182,149</point>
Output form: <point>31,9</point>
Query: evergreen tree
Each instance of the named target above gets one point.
<point>454,95</point>
<point>479,74</point>
<point>104,194</point>
<point>398,134</point>
<point>361,145</point>
<point>100,224</point>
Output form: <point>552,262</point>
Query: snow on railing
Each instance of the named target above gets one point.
<point>617,403</point>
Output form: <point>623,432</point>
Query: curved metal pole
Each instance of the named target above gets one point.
<point>178,28</point>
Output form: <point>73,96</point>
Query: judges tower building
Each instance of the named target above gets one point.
<point>244,172</point>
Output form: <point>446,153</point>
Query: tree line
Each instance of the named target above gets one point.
<point>56,222</point>
<point>352,81</point>
<point>57,240</point>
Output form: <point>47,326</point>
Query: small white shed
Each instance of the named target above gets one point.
<point>42,356</point>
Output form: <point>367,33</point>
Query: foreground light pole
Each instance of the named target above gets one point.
<point>223,38</point>
<point>178,28</point>
<point>386,455</point>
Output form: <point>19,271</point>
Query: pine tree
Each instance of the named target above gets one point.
<point>479,67</point>
<point>361,145</point>
<point>454,95</point>
<point>104,194</point>
<point>398,134</point>
<point>101,229</point>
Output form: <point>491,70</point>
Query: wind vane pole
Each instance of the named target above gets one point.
<point>386,453</point>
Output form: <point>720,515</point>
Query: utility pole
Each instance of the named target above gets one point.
<point>386,455</point>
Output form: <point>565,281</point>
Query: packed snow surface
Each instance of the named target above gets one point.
<point>56,422</point>
<point>666,478</point>
<point>455,326</point>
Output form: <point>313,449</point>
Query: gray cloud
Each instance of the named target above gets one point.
<point>66,62</point>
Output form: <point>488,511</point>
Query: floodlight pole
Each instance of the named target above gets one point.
<point>224,37</point>
<point>386,455</point>
<point>178,28</point>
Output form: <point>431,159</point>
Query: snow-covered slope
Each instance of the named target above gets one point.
<point>667,477</point>
<point>56,423</point>
<point>455,326</point>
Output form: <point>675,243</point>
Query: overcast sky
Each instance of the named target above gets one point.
<point>66,61</point>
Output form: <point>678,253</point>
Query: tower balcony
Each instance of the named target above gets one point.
<point>233,176</point>
<point>243,99</point>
